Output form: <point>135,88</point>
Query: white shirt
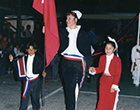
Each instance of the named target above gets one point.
<point>108,60</point>
<point>135,56</point>
<point>30,67</point>
<point>72,48</point>
<point>106,72</point>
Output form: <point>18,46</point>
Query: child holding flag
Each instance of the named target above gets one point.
<point>32,66</point>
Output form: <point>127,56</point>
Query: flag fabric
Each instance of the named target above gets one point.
<point>38,5</point>
<point>47,8</point>
<point>20,68</point>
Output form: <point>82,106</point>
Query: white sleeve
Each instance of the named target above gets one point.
<point>133,54</point>
<point>114,86</point>
<point>92,73</point>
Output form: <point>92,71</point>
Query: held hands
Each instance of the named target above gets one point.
<point>92,70</point>
<point>112,90</point>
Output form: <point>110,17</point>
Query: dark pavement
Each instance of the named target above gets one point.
<point>10,92</point>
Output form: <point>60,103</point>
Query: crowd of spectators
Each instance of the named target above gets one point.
<point>10,43</point>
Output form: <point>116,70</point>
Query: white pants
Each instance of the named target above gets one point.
<point>136,75</point>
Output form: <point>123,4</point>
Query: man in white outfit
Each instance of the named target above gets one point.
<point>135,68</point>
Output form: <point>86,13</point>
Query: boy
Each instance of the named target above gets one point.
<point>31,85</point>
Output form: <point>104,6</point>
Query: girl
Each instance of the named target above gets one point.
<point>110,66</point>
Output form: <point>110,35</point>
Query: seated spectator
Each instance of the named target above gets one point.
<point>4,42</point>
<point>22,32</point>
<point>28,33</point>
<point>17,51</point>
<point>14,39</point>
<point>9,49</point>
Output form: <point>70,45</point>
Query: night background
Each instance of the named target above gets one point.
<point>90,7</point>
<point>87,6</point>
<point>102,14</point>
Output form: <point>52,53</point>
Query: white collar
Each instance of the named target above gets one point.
<point>77,28</point>
<point>110,56</point>
<point>31,56</point>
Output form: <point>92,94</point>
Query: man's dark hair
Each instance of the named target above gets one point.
<point>112,43</point>
<point>71,13</point>
<point>31,44</point>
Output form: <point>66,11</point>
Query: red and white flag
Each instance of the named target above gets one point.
<point>47,8</point>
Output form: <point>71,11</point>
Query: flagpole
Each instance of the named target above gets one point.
<point>43,82</point>
<point>48,10</point>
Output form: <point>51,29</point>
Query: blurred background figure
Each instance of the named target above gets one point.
<point>17,51</point>
<point>93,37</point>
<point>55,68</point>
<point>135,68</point>
<point>28,34</point>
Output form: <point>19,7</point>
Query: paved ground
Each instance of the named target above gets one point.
<point>54,100</point>
<point>87,101</point>
<point>10,91</point>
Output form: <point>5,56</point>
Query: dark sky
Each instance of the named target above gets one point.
<point>103,6</point>
<point>87,6</point>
